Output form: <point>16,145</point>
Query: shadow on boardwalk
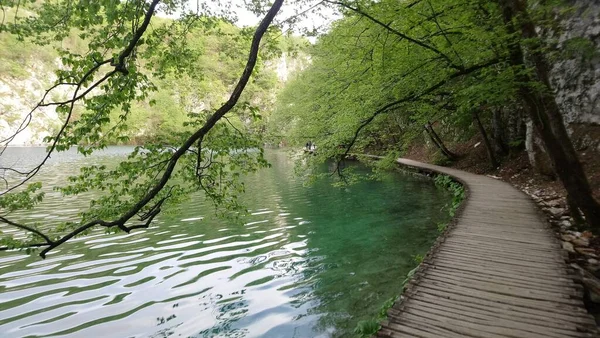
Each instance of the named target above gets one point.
<point>498,272</point>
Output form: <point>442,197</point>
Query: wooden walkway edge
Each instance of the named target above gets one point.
<point>497,272</point>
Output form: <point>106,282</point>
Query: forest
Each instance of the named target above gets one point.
<point>381,78</point>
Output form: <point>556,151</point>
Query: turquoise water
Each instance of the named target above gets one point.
<point>308,262</point>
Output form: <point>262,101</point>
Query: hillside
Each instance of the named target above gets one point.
<point>27,70</point>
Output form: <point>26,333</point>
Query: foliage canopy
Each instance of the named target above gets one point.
<point>383,71</point>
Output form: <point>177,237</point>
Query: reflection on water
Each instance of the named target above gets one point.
<point>308,261</point>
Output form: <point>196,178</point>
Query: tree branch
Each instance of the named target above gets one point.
<point>199,134</point>
<point>400,34</point>
<point>119,66</point>
<point>411,97</point>
<point>27,228</point>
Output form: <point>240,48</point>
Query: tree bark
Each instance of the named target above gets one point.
<point>499,133</point>
<point>530,144</point>
<point>486,140</point>
<point>438,141</point>
<point>574,210</point>
<point>516,129</point>
<point>538,158</point>
<point>545,113</point>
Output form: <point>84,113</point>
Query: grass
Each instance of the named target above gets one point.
<point>455,188</point>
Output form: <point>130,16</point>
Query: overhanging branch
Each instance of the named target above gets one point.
<point>398,33</point>
<point>199,134</point>
<point>412,97</point>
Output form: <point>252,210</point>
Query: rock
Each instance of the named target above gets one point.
<point>587,234</point>
<point>567,237</point>
<point>594,296</point>
<point>554,203</point>
<point>568,246</point>
<point>565,224</point>
<point>586,252</point>
<point>556,212</point>
<point>593,265</point>
<point>579,242</point>
<point>590,281</point>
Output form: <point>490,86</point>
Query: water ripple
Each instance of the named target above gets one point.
<point>283,270</point>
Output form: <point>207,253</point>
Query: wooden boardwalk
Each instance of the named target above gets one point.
<point>497,272</point>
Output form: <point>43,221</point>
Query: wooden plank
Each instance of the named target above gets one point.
<point>524,231</point>
<point>505,290</point>
<point>492,312</point>
<point>419,330</point>
<point>461,327</point>
<point>493,252</point>
<point>465,278</point>
<point>504,268</point>
<point>523,302</point>
<point>492,259</point>
<point>496,250</point>
<point>499,272</point>
<point>505,307</point>
<point>482,243</point>
<point>562,281</point>
<point>496,326</point>
<point>539,242</point>
<point>573,290</point>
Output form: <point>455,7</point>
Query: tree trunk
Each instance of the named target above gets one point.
<point>438,141</point>
<point>538,158</point>
<point>486,141</point>
<point>499,133</point>
<point>433,139</point>
<point>516,130</point>
<point>574,210</point>
<point>545,113</point>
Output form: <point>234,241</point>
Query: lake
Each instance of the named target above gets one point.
<point>309,261</point>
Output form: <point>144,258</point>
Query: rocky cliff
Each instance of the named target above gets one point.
<point>576,79</point>
<point>18,95</point>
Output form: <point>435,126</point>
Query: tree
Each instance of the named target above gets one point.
<point>391,63</point>
<point>375,75</point>
<point>125,53</point>
<point>541,106</point>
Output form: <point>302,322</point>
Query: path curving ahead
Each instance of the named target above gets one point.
<point>497,272</point>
